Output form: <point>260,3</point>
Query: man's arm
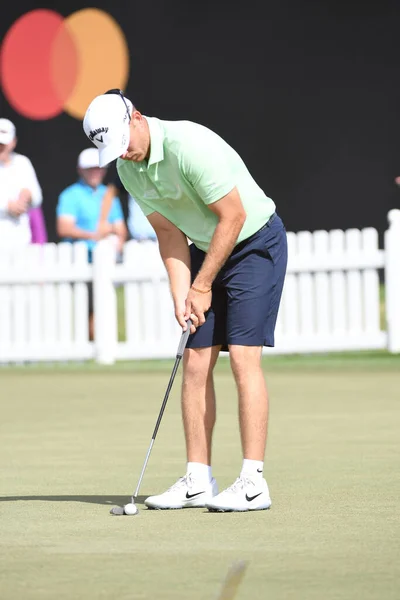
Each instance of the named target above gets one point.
<point>32,190</point>
<point>21,205</point>
<point>231,217</point>
<point>106,204</point>
<point>66,228</point>
<point>25,195</point>
<point>174,250</point>
<point>119,229</point>
<point>207,167</point>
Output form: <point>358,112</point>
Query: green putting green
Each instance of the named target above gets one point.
<point>73,440</point>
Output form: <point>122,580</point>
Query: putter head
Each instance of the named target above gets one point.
<point>128,509</point>
<point>117,511</point>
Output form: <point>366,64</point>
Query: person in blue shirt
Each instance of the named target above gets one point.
<point>79,208</point>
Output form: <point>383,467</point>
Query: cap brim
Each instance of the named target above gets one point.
<point>88,165</point>
<point>6,138</point>
<point>111,152</point>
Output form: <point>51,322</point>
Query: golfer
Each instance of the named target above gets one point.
<point>192,185</point>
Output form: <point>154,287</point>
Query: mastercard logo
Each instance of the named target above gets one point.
<point>50,64</point>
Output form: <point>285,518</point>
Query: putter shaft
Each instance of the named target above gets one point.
<point>179,354</point>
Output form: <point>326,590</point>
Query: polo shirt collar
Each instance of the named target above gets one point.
<point>88,187</point>
<point>156,141</point>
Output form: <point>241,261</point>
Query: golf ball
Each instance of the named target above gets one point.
<point>130,509</point>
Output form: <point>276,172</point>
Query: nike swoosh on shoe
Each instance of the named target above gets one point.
<point>250,498</point>
<point>189,496</point>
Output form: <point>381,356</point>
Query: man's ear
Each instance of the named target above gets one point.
<point>136,116</point>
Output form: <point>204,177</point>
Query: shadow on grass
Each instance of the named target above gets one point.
<point>105,500</point>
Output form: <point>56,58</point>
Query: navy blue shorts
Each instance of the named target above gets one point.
<point>246,292</point>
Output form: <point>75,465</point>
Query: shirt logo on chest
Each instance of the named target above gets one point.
<point>151,194</point>
<point>172,191</point>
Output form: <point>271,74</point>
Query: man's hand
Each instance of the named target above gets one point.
<point>18,207</point>
<point>180,311</point>
<point>66,228</point>
<point>197,303</point>
<point>104,228</point>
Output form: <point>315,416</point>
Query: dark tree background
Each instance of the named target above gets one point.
<point>307,92</point>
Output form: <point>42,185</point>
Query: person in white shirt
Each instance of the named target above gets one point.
<point>19,190</point>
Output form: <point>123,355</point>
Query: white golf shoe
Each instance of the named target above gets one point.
<point>185,493</point>
<point>244,494</point>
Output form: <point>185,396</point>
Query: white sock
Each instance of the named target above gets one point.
<point>199,471</point>
<point>252,468</point>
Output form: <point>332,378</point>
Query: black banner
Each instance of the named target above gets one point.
<point>306,92</point>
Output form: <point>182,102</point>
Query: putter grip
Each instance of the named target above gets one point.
<point>184,339</point>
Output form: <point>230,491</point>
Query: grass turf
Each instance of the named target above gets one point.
<point>73,442</point>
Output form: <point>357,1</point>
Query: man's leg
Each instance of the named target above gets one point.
<point>198,402</point>
<point>197,487</point>
<point>250,490</point>
<point>253,277</point>
<point>253,400</point>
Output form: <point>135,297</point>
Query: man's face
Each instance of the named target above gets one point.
<point>5,151</point>
<point>93,176</point>
<point>139,142</point>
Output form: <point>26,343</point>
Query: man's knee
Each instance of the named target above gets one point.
<point>198,363</point>
<point>244,359</point>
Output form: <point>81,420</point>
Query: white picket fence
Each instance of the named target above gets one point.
<point>44,304</point>
<point>331,299</point>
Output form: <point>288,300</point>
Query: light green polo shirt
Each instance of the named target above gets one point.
<point>189,168</point>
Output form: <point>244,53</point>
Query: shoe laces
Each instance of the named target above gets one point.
<point>182,482</point>
<point>239,484</point>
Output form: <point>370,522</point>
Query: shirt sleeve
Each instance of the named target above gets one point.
<point>146,210</point>
<point>206,168</point>
<point>67,205</point>
<point>30,182</point>
<point>116,213</point>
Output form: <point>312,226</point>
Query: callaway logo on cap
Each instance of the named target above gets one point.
<point>106,124</point>
<point>92,134</point>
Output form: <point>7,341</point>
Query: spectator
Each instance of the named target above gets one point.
<point>78,212</point>
<point>138,225</point>
<point>19,190</point>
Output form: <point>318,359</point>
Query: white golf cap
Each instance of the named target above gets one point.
<point>106,124</point>
<point>88,159</point>
<point>7,131</point>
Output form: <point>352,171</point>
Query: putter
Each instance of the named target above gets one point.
<point>131,508</point>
